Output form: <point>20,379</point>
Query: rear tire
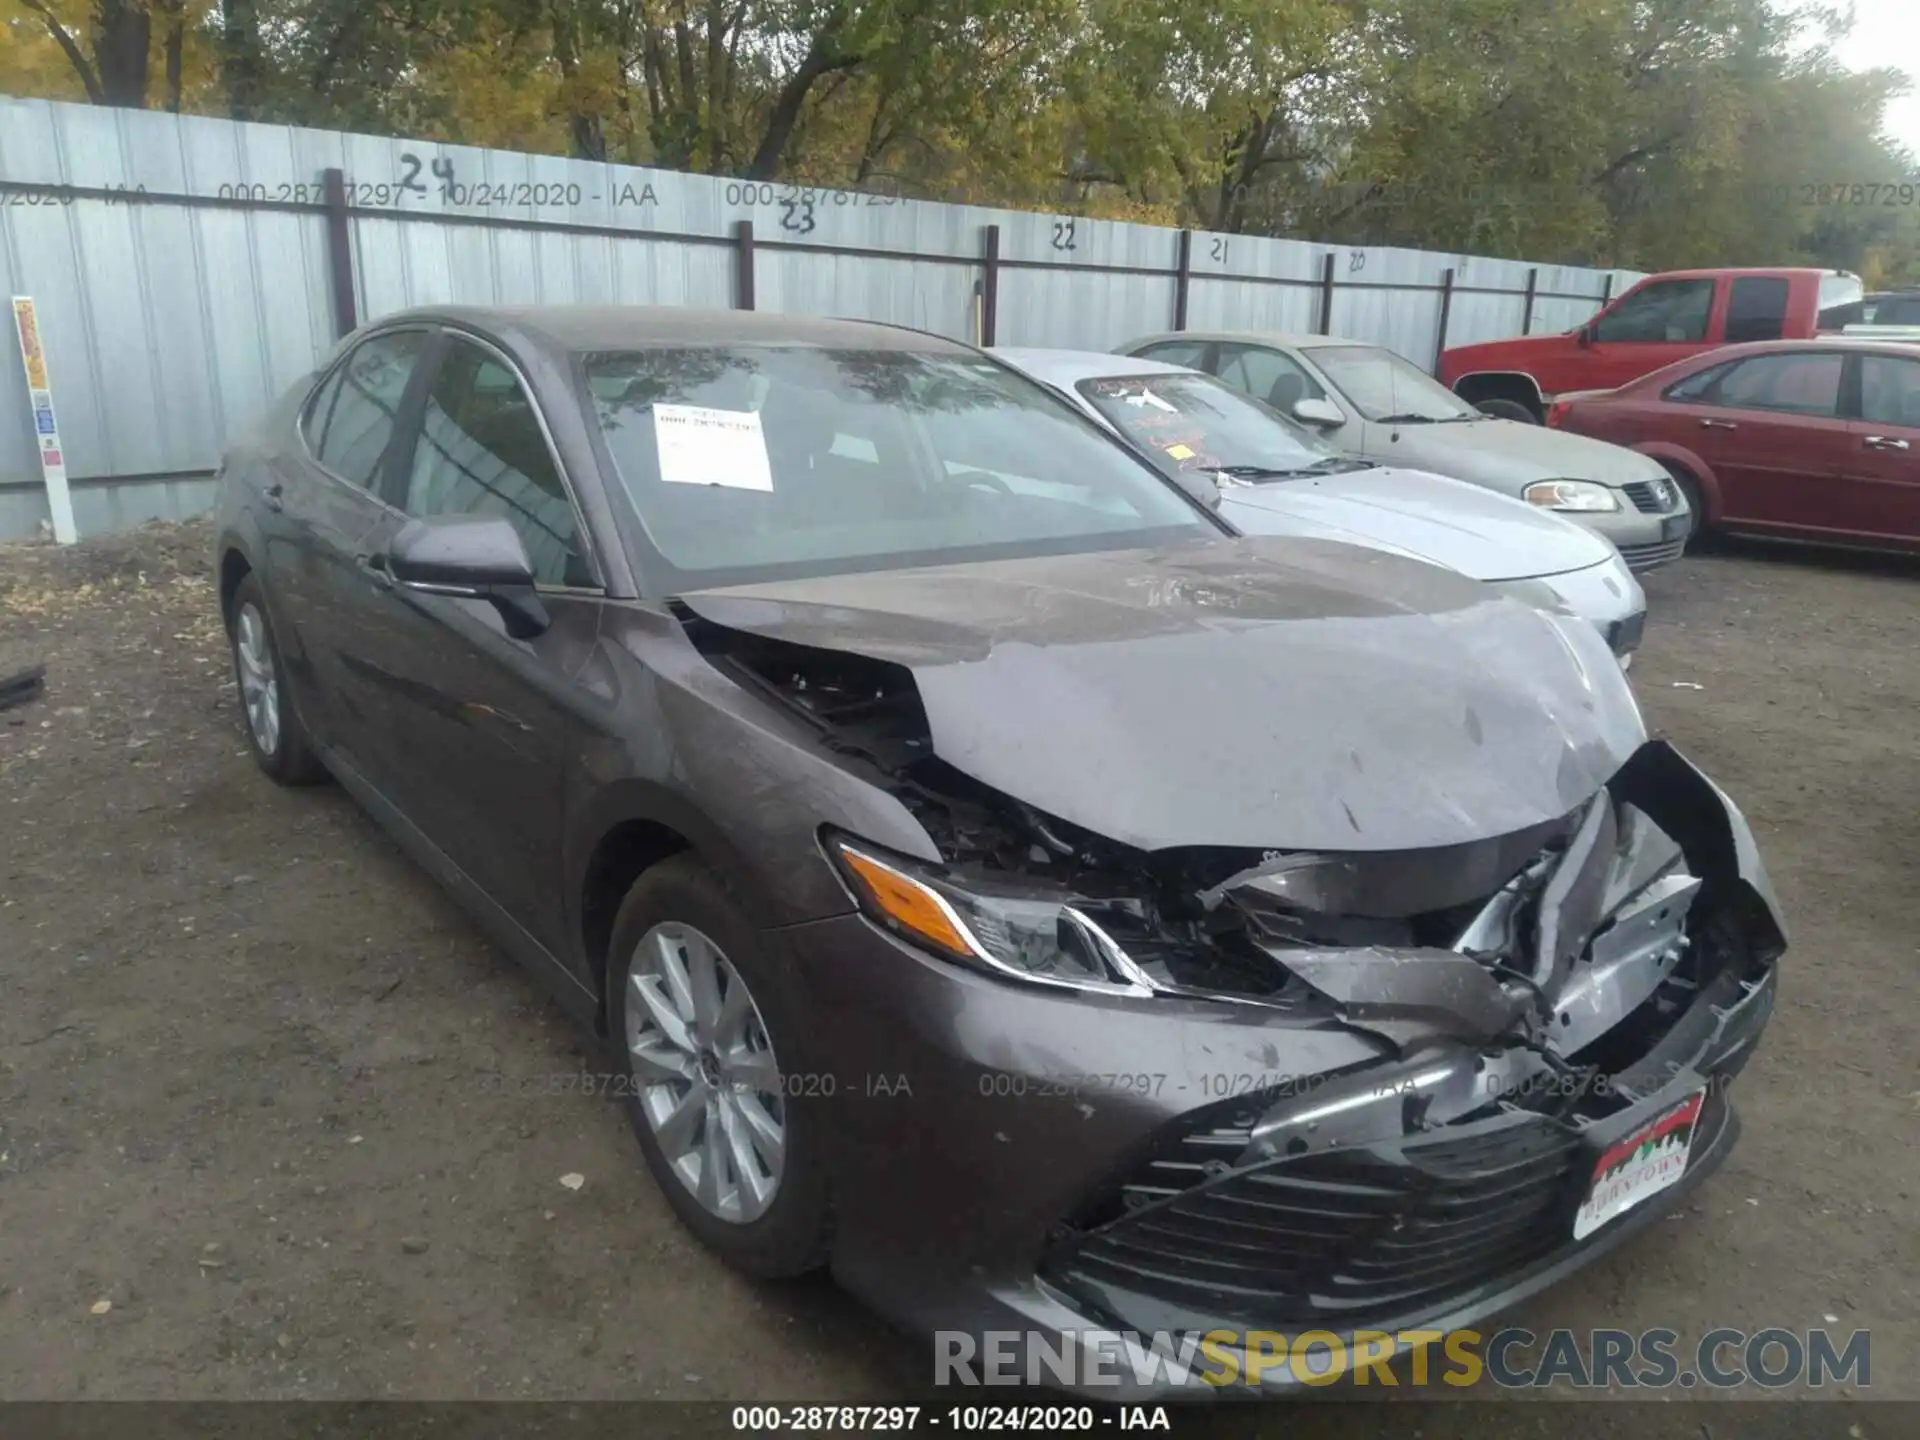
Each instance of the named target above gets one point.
<point>274,733</point>
<point>1508,410</point>
<point>727,1118</point>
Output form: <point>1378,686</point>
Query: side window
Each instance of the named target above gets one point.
<point>360,424</point>
<point>1890,391</point>
<point>481,451</point>
<point>1757,309</point>
<point>1189,353</point>
<point>1694,389</point>
<point>1801,384</point>
<point>1268,376</point>
<point>313,423</point>
<point>1665,312</point>
<point>1898,310</point>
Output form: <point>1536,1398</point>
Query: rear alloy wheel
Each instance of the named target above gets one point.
<point>274,733</point>
<point>727,1110</point>
<point>1507,410</point>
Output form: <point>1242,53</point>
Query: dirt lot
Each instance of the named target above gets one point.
<point>249,1056</point>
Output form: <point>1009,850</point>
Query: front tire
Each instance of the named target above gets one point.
<point>274,733</point>
<point>713,1043</point>
<point>1700,535</point>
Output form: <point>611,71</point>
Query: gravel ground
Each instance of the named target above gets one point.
<point>265,1131</point>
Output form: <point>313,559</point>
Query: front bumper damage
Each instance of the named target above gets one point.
<point>1398,1137</point>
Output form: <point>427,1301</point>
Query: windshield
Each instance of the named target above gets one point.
<point>761,462</point>
<point>1382,386</point>
<point>1193,422</point>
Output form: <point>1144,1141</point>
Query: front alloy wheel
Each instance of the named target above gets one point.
<point>705,1075</point>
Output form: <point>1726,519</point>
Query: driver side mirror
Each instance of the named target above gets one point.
<point>1318,411</point>
<point>1583,337</point>
<point>478,557</point>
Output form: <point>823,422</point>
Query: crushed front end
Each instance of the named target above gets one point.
<point>1196,1089</point>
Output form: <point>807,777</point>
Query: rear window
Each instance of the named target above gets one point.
<point>1757,308</point>
<point>757,462</point>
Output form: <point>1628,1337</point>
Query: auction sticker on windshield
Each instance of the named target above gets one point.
<point>1640,1166</point>
<point>702,446</point>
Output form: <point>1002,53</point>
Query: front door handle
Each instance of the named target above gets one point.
<point>272,497</point>
<point>1885,442</point>
<point>1718,425</point>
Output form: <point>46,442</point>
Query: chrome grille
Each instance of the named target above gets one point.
<point>1660,552</point>
<point>1654,497</point>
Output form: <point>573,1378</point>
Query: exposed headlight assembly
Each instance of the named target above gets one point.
<point>1583,497</point>
<point>1019,932</point>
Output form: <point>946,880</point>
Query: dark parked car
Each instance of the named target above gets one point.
<point>997,881</point>
<point>1800,439</point>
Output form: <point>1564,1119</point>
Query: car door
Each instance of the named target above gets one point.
<point>482,723</point>
<point>1883,472</point>
<point>1773,430</point>
<point>1655,325</point>
<point>321,519</point>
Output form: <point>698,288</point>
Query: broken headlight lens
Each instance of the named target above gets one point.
<point>1023,932</point>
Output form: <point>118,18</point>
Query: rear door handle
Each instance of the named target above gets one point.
<point>1885,442</point>
<point>272,497</point>
<point>1718,425</point>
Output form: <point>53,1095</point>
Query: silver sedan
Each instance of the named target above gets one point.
<point>1368,400</point>
<point>1272,476</point>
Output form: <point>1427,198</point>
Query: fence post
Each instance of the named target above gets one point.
<point>1182,279</point>
<point>1446,313</point>
<point>743,265</point>
<point>1326,295</point>
<point>990,287</point>
<point>339,252</point>
<point>1533,287</point>
<point>1607,294</point>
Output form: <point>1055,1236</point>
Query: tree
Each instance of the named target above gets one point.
<point>108,45</point>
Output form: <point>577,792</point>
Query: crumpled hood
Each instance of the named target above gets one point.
<point>1235,692</point>
<point>1464,527</point>
<point>1507,455</point>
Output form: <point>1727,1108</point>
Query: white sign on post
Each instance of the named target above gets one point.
<point>46,431</point>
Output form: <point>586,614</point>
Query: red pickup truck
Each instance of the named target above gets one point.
<point>1662,319</point>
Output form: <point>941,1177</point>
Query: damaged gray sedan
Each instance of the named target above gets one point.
<point>994,880</point>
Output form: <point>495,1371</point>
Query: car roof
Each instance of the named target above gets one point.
<point>1708,272</point>
<point>624,327</point>
<point>1068,367</point>
<point>1297,340</point>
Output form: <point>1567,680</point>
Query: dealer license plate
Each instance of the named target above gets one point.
<point>1648,1161</point>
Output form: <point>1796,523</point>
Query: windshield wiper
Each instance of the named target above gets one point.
<point>1405,420</point>
<point>1258,472</point>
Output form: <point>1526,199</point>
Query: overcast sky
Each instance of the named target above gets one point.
<point>1887,32</point>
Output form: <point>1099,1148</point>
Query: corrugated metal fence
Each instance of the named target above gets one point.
<point>187,270</point>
